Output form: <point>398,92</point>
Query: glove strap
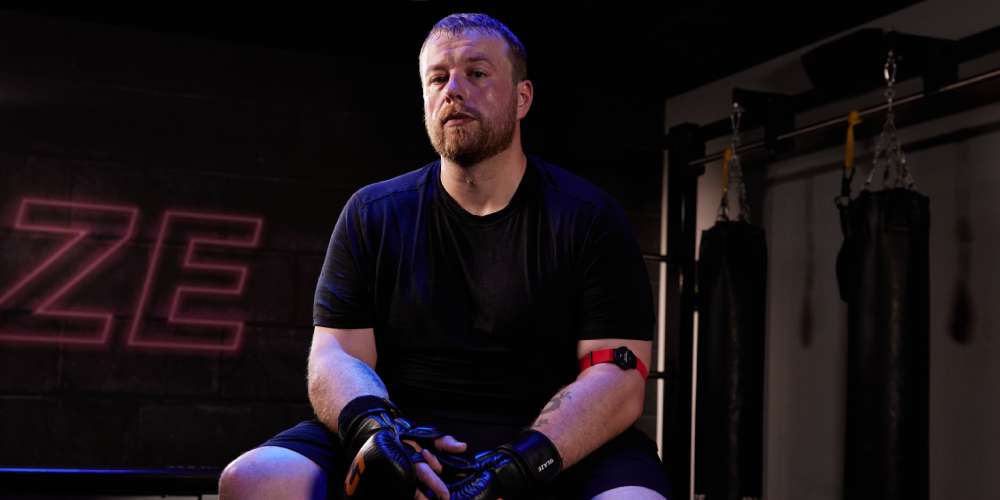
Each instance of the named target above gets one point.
<point>536,453</point>
<point>379,413</point>
<point>422,435</point>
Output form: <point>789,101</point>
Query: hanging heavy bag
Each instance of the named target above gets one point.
<point>732,275</point>
<point>883,274</point>
<point>882,270</point>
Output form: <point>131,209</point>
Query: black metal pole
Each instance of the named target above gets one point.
<point>684,144</point>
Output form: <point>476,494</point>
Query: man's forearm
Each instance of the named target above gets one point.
<point>337,378</point>
<point>599,405</point>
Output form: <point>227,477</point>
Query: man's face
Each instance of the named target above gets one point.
<point>470,101</point>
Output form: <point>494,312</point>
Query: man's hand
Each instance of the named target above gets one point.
<point>392,457</point>
<point>428,471</point>
<point>393,464</point>
<point>383,466</point>
<point>513,470</point>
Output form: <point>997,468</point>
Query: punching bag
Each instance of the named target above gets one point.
<point>883,274</point>
<point>732,276</point>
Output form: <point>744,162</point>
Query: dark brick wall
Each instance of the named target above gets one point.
<point>90,113</point>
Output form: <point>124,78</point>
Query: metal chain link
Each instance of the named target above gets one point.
<point>735,171</point>
<point>888,150</point>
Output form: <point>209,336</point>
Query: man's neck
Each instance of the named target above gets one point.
<point>487,186</point>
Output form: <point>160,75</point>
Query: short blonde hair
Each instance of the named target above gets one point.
<point>457,24</point>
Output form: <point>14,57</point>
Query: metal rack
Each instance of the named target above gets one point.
<point>686,160</point>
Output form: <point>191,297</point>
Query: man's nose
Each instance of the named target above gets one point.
<point>455,90</point>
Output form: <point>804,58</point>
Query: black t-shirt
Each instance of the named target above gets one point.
<point>477,318</point>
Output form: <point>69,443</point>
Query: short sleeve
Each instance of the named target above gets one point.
<point>343,292</point>
<point>616,299</point>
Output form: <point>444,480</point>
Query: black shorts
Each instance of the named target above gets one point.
<point>629,459</point>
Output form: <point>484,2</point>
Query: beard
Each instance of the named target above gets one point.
<point>476,140</point>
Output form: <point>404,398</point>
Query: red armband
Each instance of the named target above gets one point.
<point>622,356</point>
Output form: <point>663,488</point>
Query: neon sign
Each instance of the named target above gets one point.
<point>95,235</point>
<point>139,336</point>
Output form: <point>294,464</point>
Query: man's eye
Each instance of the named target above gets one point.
<point>438,79</point>
<point>479,74</point>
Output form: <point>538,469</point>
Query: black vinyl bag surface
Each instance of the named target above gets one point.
<point>883,273</point>
<point>732,279</point>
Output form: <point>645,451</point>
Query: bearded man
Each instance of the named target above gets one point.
<point>488,295</point>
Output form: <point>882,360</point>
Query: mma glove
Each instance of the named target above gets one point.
<point>372,431</point>
<point>514,470</point>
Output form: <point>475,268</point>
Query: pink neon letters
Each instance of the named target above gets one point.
<point>94,234</point>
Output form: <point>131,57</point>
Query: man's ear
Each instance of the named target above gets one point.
<point>525,95</point>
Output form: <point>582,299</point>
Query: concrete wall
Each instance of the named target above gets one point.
<point>91,114</point>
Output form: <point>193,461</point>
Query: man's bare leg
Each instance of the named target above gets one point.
<point>629,492</point>
<point>272,472</point>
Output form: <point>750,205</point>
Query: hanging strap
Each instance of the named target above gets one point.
<point>727,156</point>
<point>853,118</point>
<point>842,201</point>
<point>732,172</point>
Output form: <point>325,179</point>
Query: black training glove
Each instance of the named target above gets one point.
<point>511,471</point>
<point>382,465</point>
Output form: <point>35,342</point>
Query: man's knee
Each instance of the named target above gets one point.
<point>629,492</point>
<point>270,470</point>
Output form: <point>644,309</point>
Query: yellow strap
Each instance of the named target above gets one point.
<point>853,118</point>
<point>727,156</point>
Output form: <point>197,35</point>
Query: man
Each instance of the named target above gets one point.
<point>476,283</point>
